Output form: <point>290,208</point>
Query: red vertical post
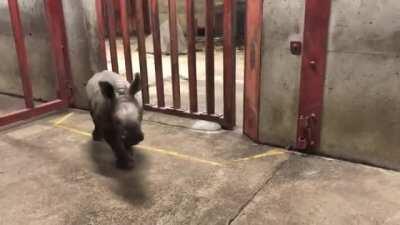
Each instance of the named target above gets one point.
<point>210,89</point>
<point>174,54</point>
<point>142,49</point>
<point>313,71</point>
<point>100,32</point>
<point>146,19</point>
<point>126,39</point>
<point>21,52</point>
<point>155,25</point>
<point>191,34</point>
<point>112,34</point>
<point>252,75</point>
<point>229,66</point>
<point>56,27</point>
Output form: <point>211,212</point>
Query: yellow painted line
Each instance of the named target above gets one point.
<point>73,130</point>
<point>269,153</point>
<point>63,119</point>
<point>178,155</point>
<point>145,148</point>
<point>150,149</point>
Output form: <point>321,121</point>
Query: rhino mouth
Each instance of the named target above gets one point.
<point>133,140</point>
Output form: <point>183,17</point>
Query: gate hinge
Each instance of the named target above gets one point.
<point>305,139</point>
<point>68,92</point>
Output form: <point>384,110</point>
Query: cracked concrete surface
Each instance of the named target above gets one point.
<point>56,175</point>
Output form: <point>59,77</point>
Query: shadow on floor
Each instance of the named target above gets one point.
<point>128,184</point>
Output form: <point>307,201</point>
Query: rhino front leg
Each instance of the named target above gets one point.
<point>124,158</point>
<point>98,133</point>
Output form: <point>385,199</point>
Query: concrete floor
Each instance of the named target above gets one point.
<point>52,173</point>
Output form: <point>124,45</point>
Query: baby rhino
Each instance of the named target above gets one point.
<point>116,110</point>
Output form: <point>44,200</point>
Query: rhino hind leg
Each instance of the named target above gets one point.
<point>97,135</point>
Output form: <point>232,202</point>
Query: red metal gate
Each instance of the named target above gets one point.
<point>317,14</point>
<point>106,20</point>
<point>252,74</point>
<point>56,27</point>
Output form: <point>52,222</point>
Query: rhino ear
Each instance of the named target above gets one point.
<point>135,85</point>
<point>107,89</point>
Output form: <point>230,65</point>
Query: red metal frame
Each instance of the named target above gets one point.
<point>313,71</point>
<point>191,36</point>
<point>140,24</point>
<point>21,52</point>
<point>229,66</point>
<point>112,34</point>
<point>210,87</point>
<point>176,92</point>
<point>186,114</point>
<point>29,113</point>
<point>252,75</point>
<point>126,39</point>
<point>100,32</point>
<point>228,119</point>
<point>155,26</point>
<point>59,46</point>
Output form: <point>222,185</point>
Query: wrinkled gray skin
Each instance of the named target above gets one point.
<point>116,110</point>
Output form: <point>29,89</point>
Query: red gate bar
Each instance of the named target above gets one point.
<point>252,74</point>
<point>59,44</point>
<point>100,33</point>
<point>313,71</point>
<point>174,54</point>
<point>210,92</point>
<point>142,50</point>
<point>229,66</point>
<point>126,39</point>
<point>191,55</point>
<point>112,34</point>
<point>186,114</point>
<point>28,113</point>
<point>155,25</point>
<point>21,52</point>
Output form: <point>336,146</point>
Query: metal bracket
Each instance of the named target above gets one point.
<point>305,137</point>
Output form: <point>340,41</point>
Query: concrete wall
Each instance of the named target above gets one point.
<point>362,95</point>
<point>361,115</point>
<point>81,31</point>
<point>81,26</point>
<point>283,22</point>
